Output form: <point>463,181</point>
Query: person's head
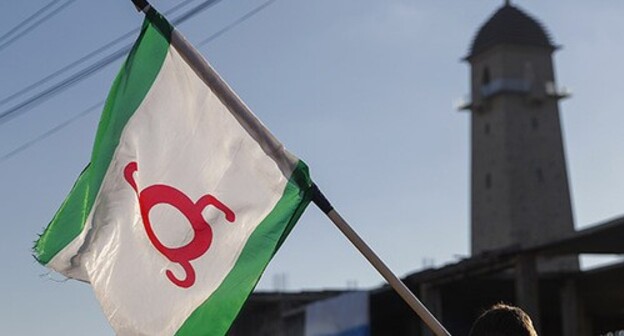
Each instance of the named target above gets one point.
<point>503,320</point>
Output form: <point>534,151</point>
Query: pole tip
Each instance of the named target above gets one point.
<point>319,199</point>
<point>141,5</point>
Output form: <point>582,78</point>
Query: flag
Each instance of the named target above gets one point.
<point>186,198</point>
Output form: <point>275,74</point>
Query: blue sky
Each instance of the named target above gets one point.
<point>362,90</point>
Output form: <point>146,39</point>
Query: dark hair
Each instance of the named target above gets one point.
<point>503,320</point>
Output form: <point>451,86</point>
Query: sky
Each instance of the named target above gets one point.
<point>363,91</point>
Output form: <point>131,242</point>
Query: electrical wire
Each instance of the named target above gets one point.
<point>240,20</point>
<point>83,59</point>
<point>95,107</point>
<point>50,132</point>
<point>27,20</point>
<point>35,25</point>
<point>40,97</point>
<point>66,68</point>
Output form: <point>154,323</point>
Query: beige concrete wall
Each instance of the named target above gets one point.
<point>517,142</point>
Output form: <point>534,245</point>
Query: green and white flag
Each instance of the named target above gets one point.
<point>186,198</point>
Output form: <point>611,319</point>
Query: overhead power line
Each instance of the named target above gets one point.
<point>240,20</point>
<point>27,20</point>
<point>15,33</point>
<point>95,107</point>
<point>83,59</point>
<point>40,97</point>
<point>50,132</point>
<point>66,68</point>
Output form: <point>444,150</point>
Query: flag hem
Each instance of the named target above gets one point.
<point>135,79</point>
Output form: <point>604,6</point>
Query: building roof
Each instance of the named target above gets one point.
<point>510,25</point>
<point>603,238</point>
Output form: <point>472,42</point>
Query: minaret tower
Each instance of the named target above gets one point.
<point>520,193</point>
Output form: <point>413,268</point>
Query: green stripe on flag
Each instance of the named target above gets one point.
<point>216,314</point>
<point>128,91</point>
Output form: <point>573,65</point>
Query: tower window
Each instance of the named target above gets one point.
<point>486,128</point>
<point>488,181</point>
<point>540,175</point>
<point>534,123</point>
<point>485,77</point>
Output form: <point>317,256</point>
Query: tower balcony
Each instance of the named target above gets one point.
<point>558,92</point>
<point>505,85</point>
<point>535,93</point>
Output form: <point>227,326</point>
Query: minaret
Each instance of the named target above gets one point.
<point>520,194</point>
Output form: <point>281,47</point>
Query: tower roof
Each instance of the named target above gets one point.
<point>510,25</point>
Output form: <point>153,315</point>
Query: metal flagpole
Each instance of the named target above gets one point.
<point>319,199</point>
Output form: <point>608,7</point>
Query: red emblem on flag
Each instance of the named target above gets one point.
<point>164,194</point>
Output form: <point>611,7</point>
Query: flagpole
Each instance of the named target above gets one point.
<point>141,5</point>
<point>321,201</point>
